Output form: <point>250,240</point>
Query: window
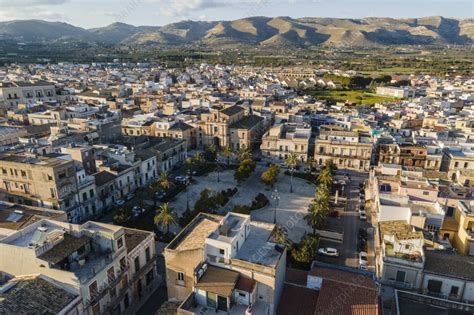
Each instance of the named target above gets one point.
<point>149,277</point>
<point>147,254</point>
<point>120,243</point>
<point>426,193</point>
<point>450,211</point>
<point>84,196</point>
<point>454,290</point>
<point>180,278</point>
<point>434,286</point>
<point>136,262</point>
<point>401,276</point>
<point>221,251</point>
<point>93,289</point>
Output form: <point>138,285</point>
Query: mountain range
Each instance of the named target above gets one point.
<point>266,31</point>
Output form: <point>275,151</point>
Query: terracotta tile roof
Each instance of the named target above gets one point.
<point>66,247</point>
<point>245,284</point>
<point>296,276</point>
<point>34,296</point>
<point>297,300</point>
<point>219,281</point>
<point>346,293</point>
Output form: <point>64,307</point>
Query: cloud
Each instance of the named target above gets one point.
<point>25,3</point>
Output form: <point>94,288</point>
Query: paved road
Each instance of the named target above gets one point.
<point>350,223</point>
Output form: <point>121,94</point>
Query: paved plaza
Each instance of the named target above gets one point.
<point>291,206</point>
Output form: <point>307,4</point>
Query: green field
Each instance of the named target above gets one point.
<point>361,97</point>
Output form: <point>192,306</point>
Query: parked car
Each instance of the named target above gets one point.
<point>328,251</point>
<point>362,216</point>
<point>363,267</point>
<point>130,196</point>
<point>363,258</point>
<point>160,195</point>
<point>361,207</point>
<point>363,233</point>
<point>180,179</point>
<point>137,211</point>
<point>362,245</point>
<point>119,202</point>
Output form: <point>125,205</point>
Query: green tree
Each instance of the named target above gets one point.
<point>269,177</point>
<point>227,153</point>
<point>280,236</point>
<point>210,154</point>
<point>316,216</point>
<point>244,170</point>
<point>165,216</point>
<point>123,216</point>
<point>305,251</point>
<point>325,178</point>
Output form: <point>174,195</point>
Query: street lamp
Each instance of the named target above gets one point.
<point>292,170</point>
<point>276,199</point>
<point>188,182</point>
<point>217,168</point>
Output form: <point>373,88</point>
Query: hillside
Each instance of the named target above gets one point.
<point>257,31</point>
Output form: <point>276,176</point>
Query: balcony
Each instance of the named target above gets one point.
<point>145,268</point>
<point>104,289</point>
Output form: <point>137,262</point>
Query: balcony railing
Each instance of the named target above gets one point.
<point>145,268</point>
<point>104,289</point>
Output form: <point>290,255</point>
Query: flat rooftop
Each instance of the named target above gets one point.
<point>409,303</point>
<point>257,248</point>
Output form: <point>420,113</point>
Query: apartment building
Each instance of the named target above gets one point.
<point>400,260</point>
<point>109,267</point>
<point>18,92</point>
<point>410,155</point>
<point>227,264</point>
<point>83,154</point>
<point>38,180</point>
<point>283,139</point>
<point>347,149</point>
<point>458,227</point>
<point>457,159</point>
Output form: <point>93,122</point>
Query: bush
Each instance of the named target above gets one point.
<point>260,201</point>
<point>242,209</point>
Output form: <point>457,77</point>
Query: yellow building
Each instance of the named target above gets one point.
<point>459,228</point>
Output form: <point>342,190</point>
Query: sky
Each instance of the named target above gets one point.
<point>90,13</point>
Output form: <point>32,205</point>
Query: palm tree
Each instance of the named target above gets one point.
<point>311,163</point>
<point>323,197</point>
<point>316,217</point>
<point>165,182</point>
<point>291,161</point>
<point>325,178</point>
<point>244,154</point>
<point>227,152</point>
<point>165,216</point>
